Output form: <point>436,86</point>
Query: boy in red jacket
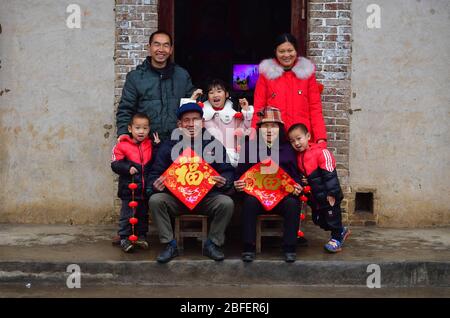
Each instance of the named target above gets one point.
<point>319,167</point>
<point>131,160</point>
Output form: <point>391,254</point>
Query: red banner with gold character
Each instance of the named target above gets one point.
<point>270,186</point>
<point>189,178</point>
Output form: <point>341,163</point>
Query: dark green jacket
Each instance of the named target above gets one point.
<point>156,94</point>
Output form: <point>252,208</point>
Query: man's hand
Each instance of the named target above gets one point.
<point>159,184</point>
<point>220,181</point>
<point>120,137</point>
<point>133,170</point>
<point>331,200</point>
<point>239,185</point>
<point>197,93</point>
<point>243,103</point>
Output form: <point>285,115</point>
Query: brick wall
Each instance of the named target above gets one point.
<point>135,21</point>
<point>329,47</point>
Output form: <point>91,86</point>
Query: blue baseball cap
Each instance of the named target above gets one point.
<point>189,107</point>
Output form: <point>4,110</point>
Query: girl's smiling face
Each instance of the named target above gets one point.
<point>217,96</point>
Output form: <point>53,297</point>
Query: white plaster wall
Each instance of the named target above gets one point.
<point>56,116</point>
<point>399,140</point>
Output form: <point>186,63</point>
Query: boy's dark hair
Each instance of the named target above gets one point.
<point>217,83</point>
<point>137,116</point>
<point>160,32</point>
<point>300,126</point>
<point>283,38</point>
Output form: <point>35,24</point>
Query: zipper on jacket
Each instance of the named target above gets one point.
<point>141,156</point>
<point>302,159</point>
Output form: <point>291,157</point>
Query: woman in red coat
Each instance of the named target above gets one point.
<point>288,82</point>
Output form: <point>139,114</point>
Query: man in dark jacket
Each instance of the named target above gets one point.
<point>155,88</point>
<point>216,204</point>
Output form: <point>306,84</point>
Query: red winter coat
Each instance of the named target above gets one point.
<point>295,93</point>
<point>126,154</point>
<point>319,167</point>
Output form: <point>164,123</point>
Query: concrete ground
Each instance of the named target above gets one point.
<point>413,262</point>
<point>220,291</point>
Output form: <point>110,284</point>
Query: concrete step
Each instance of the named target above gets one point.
<point>207,272</point>
<point>40,254</point>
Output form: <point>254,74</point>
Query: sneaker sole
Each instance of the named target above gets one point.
<point>333,251</point>
<point>129,249</point>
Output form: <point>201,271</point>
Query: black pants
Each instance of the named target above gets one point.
<point>288,208</point>
<point>141,228</point>
<point>329,219</point>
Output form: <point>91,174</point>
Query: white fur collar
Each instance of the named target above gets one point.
<point>226,114</point>
<point>303,69</point>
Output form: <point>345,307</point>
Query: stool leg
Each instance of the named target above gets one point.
<point>258,235</point>
<point>178,236</point>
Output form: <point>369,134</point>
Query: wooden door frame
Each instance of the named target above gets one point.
<point>299,25</point>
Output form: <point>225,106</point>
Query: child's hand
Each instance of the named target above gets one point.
<point>297,189</point>
<point>243,103</point>
<point>331,200</point>
<point>133,170</point>
<point>197,93</point>
<point>239,185</point>
<point>156,138</point>
<point>159,183</point>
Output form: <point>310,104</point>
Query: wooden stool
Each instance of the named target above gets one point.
<point>182,232</point>
<point>261,230</point>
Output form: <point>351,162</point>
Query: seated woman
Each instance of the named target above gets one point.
<point>270,142</point>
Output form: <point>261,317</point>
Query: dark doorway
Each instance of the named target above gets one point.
<point>213,35</point>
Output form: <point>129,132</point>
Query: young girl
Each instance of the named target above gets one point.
<point>222,121</point>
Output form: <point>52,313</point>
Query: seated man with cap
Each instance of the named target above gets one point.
<point>218,206</point>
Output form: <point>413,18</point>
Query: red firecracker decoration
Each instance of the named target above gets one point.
<point>200,104</point>
<point>303,198</point>
<point>133,221</point>
<point>300,234</point>
<point>302,216</point>
<point>133,204</point>
<point>307,189</point>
